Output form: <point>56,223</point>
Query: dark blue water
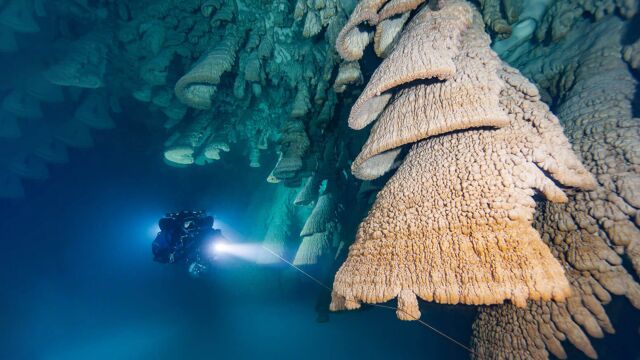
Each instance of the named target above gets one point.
<point>78,281</point>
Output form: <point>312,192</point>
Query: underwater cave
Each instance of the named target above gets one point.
<point>320,179</point>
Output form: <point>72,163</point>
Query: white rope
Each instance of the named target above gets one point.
<point>422,322</point>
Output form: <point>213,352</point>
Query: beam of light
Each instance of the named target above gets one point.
<point>221,247</point>
<point>228,231</point>
<point>245,251</point>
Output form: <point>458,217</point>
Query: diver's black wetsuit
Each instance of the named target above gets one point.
<point>162,246</point>
<point>183,238</point>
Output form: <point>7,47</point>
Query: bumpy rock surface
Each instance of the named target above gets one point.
<point>453,225</point>
<point>588,233</point>
<point>198,86</point>
<point>431,40</point>
<point>318,232</point>
<point>469,98</point>
<point>280,219</point>
<point>632,54</point>
<point>352,39</point>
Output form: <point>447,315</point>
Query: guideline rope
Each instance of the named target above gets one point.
<point>422,322</point>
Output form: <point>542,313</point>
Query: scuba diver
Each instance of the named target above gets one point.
<point>184,237</point>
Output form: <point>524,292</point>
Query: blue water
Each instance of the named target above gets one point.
<point>77,276</point>
<point>78,281</point>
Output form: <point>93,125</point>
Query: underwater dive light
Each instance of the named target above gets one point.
<point>223,248</point>
<point>220,247</point>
